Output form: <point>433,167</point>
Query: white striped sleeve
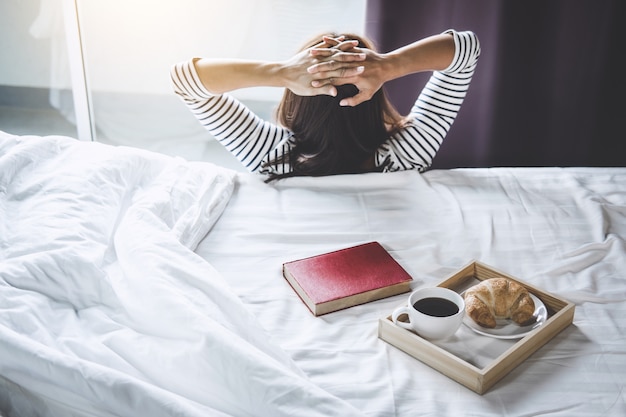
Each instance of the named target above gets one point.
<point>248,137</point>
<point>434,111</point>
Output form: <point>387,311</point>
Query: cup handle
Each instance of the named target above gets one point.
<point>396,313</point>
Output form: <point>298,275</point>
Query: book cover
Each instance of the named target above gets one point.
<point>343,278</point>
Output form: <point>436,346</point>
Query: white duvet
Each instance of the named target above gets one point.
<point>105,309</point>
<point>135,284</point>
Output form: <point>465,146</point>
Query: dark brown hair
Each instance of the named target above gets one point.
<point>332,139</point>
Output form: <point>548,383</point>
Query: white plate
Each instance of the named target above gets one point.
<point>506,328</point>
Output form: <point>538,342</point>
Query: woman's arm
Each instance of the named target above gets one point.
<point>200,83</point>
<point>244,134</point>
<point>223,75</point>
<point>415,145</point>
<point>434,53</point>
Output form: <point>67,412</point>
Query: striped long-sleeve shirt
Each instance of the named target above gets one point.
<point>254,141</point>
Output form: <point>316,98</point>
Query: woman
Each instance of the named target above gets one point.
<point>334,117</point>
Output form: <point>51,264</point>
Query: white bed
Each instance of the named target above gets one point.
<point>136,284</point>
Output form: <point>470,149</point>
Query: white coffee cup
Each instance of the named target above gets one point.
<point>438,314</point>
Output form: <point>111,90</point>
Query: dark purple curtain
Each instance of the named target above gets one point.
<point>548,90</point>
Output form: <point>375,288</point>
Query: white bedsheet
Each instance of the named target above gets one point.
<point>105,310</point>
<point>134,284</point>
<point>563,230</point>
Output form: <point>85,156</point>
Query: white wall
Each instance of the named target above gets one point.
<point>131,44</point>
<point>25,47</point>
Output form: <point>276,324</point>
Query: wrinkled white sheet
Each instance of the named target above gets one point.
<point>562,230</point>
<point>105,310</point>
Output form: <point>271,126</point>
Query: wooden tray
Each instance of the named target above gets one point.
<point>505,354</point>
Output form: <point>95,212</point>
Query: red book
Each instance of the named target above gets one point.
<point>347,277</point>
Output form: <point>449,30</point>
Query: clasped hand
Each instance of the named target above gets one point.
<point>333,62</point>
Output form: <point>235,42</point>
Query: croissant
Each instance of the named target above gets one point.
<point>498,298</point>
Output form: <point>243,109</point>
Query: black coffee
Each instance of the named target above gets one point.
<point>437,307</point>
